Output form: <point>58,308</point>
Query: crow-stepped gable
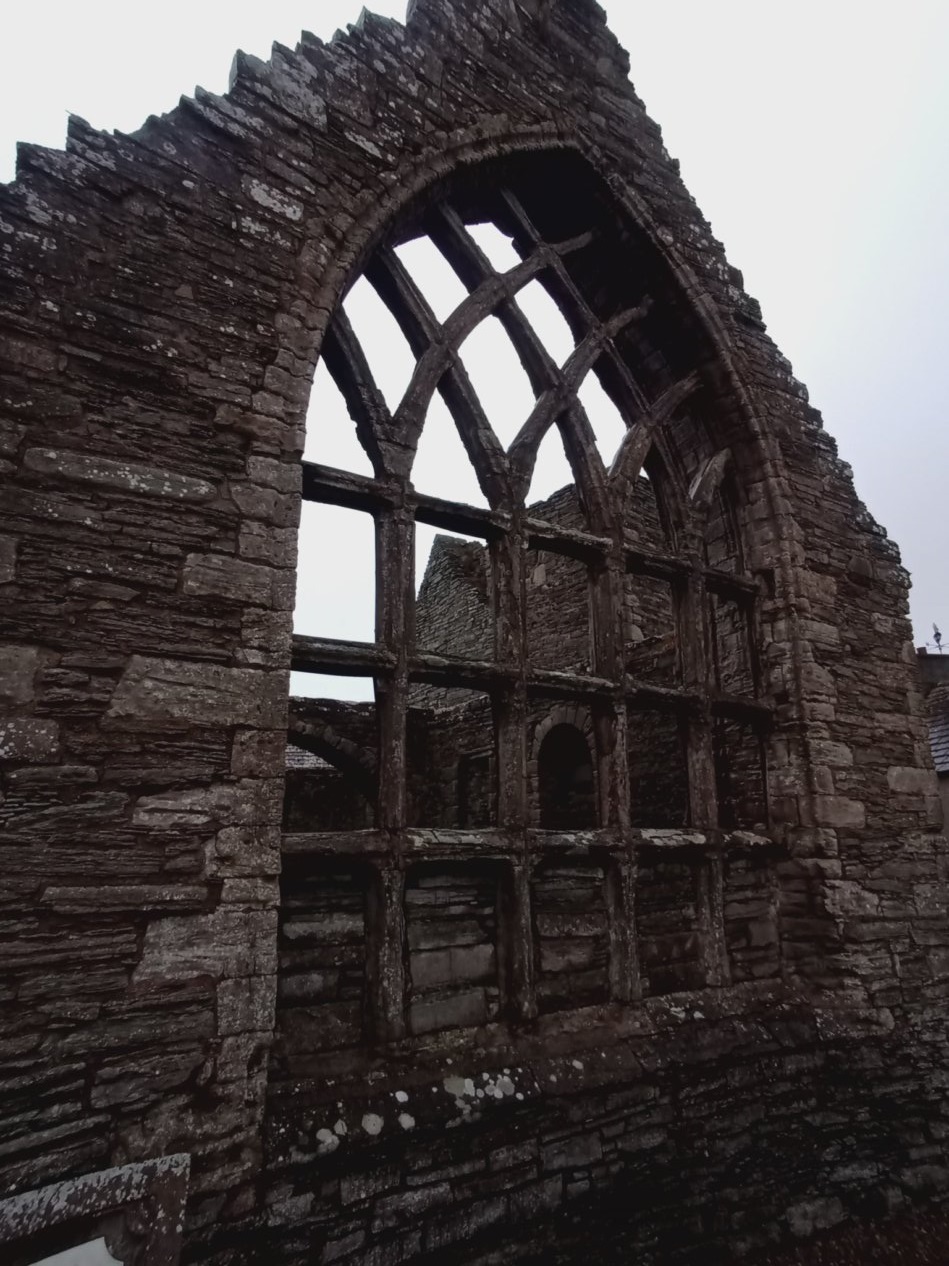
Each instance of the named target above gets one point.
<point>610,917</point>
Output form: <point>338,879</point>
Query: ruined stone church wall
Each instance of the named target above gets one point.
<point>164,300</point>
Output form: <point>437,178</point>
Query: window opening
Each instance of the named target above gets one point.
<point>329,686</point>
<point>434,276</point>
<point>332,765</point>
<point>476,789</point>
<point>384,345</point>
<point>552,471</point>
<point>751,917</point>
<point>451,930</point>
<point>331,437</point>
<point>498,378</point>
<point>447,724</point>
<point>557,610</point>
<point>649,521</point>
<point>547,321</point>
<point>442,466</point>
<point>668,926</point>
<point>496,245</point>
<point>722,539</point>
<point>324,796</point>
<point>571,928</point>
<point>321,973</point>
<point>336,574</point>
<point>609,426</point>
<point>652,642</point>
<point>565,781</point>
<point>454,612</point>
<point>739,772</point>
<point>658,770</point>
<point>476,704</point>
<point>730,644</point>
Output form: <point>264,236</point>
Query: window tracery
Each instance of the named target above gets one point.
<point>648,524</point>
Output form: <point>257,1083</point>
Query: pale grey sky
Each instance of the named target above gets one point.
<point>814,136</point>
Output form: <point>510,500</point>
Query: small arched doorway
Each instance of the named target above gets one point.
<point>565,779</point>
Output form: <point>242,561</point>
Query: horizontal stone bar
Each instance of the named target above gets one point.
<point>642,696</point>
<point>444,670</point>
<point>347,659</point>
<point>341,488</point>
<point>740,707</point>
<point>659,566</point>
<point>458,517</point>
<point>561,540</point>
<point>728,585</point>
<point>336,843</point>
<point>570,685</point>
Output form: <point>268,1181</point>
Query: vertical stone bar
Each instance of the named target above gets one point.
<point>517,942</point>
<point>395,601</point>
<point>710,897</point>
<point>692,626</point>
<point>510,726</point>
<point>625,980</point>
<point>385,952</point>
<point>609,615</point>
<point>692,638</point>
<point>510,702</point>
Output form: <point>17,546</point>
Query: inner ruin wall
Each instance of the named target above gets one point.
<point>163,299</point>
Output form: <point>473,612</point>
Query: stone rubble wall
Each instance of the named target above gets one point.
<point>163,303</point>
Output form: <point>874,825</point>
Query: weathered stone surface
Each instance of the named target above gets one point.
<point>121,476</point>
<point>8,547</point>
<point>473,983</point>
<point>28,740</point>
<point>161,690</point>
<point>18,666</point>
<point>214,576</point>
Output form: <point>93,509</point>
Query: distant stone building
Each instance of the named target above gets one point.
<point>616,924</point>
<point>934,671</point>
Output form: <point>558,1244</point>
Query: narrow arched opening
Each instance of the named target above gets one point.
<point>565,779</point>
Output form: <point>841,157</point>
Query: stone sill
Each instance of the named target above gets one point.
<point>449,844</point>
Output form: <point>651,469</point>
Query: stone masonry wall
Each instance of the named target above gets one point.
<point>163,301</point>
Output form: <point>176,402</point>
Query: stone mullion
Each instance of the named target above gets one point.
<point>395,599</point>
<point>517,941</point>
<point>609,639</point>
<point>625,974</point>
<point>510,701</point>
<point>395,612</point>
<point>385,948</point>
<point>510,721</point>
<point>710,897</point>
<point>693,635</point>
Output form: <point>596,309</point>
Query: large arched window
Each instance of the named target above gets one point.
<point>561,423</point>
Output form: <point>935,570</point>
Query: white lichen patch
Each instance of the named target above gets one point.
<point>372,1123</point>
<point>326,1142</point>
<point>406,1120</point>
<point>273,199</point>
<point>459,1087</point>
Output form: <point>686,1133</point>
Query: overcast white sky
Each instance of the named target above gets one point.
<point>814,135</point>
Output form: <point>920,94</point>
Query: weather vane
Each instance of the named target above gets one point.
<point>937,638</point>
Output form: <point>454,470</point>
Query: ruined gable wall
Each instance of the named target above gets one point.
<point>163,303</point>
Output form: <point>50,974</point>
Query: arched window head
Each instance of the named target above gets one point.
<point>565,778</point>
